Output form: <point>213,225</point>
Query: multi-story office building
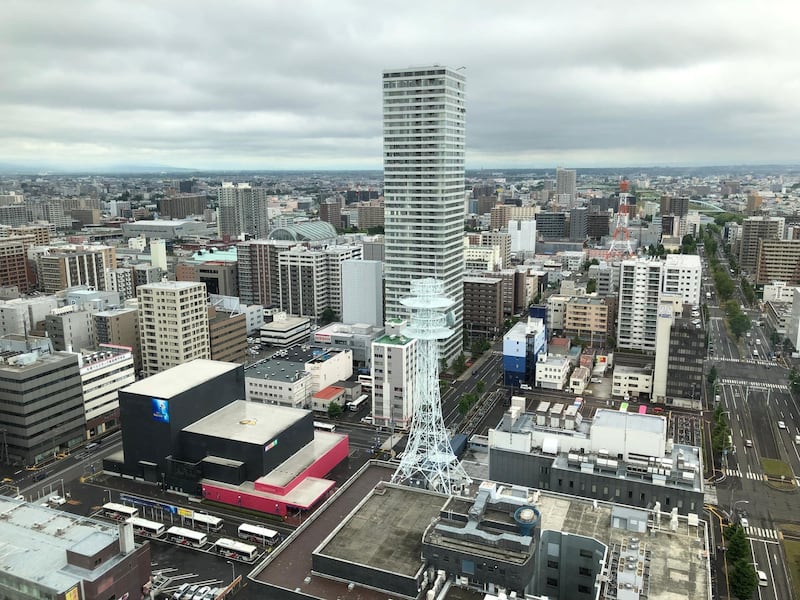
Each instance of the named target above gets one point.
<point>778,260</point>
<point>362,292</point>
<point>370,216</point>
<point>394,360</point>
<point>259,275</point>
<point>181,206</point>
<point>119,327</point>
<point>483,306</point>
<point>680,351</point>
<point>22,315</point>
<point>423,123</point>
<point>242,209</point>
<point>500,239</point>
<point>278,382</point>
<point>70,328</point>
<point>755,229</point>
<point>54,213</point>
<point>42,233</point>
<point>227,335</point>
<point>640,284</point>
<point>357,338</point>
<point>521,348</point>
<point>56,554</point>
<point>14,264</point>
<point>610,458</point>
<point>103,374</point>
<point>551,225</point>
<point>578,224</point>
<point>144,273</point>
<point>41,404</point>
<point>566,186</point>
<point>173,324</point>
<point>683,274</point>
<point>501,214</point>
<point>219,276</point>
<point>598,225</point>
<point>14,215</point>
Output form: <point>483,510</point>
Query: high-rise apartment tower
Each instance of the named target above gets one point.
<point>423,158</point>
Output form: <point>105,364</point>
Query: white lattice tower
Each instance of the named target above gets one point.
<point>621,242</point>
<point>429,461</point>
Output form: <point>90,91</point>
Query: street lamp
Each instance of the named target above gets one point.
<point>233,570</point>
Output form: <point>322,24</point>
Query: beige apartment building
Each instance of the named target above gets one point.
<point>778,260</point>
<point>227,335</point>
<point>173,324</point>
<point>589,318</point>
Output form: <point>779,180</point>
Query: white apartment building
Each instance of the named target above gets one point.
<point>778,291</point>
<point>173,324</point>
<point>336,256</point>
<point>394,360</point>
<point>683,274</point>
<point>103,374</point>
<point>631,382</point>
<point>523,236</point>
<point>640,284</point>
<point>20,314</point>
<point>566,186</point>
<point>552,372</point>
<point>120,281</point>
<point>556,312</point>
<point>362,292</point>
<point>481,258</point>
<point>242,209</point>
<point>285,331</point>
<point>423,156</point>
<point>303,282</point>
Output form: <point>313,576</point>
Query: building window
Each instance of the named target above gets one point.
<point>585,571</point>
<point>586,554</point>
<point>552,564</point>
<point>584,589</point>
<point>552,582</point>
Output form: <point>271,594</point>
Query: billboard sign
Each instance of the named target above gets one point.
<point>160,409</point>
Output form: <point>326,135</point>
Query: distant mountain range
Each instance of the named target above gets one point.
<point>117,169</point>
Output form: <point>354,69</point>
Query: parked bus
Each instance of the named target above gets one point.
<point>256,533</point>
<point>207,522</point>
<point>120,512</point>
<point>322,426</point>
<point>233,549</point>
<point>643,409</point>
<point>623,407</point>
<point>187,537</point>
<point>147,528</point>
<point>359,403</point>
<point>366,382</point>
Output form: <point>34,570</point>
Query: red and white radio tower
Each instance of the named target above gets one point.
<point>621,243</point>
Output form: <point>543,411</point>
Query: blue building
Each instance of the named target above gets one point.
<point>521,347</point>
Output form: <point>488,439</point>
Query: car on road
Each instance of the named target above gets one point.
<point>596,380</point>
<point>781,425</point>
<point>57,500</point>
<point>39,475</point>
<point>744,522</point>
<point>748,443</point>
<point>762,578</point>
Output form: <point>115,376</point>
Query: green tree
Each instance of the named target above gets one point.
<point>477,347</point>
<point>739,324</point>
<point>794,380</point>
<point>591,286</point>
<point>480,386</point>
<point>712,375</point>
<point>775,338</point>
<point>743,579</point>
<point>335,410</point>
<point>442,365</point>
<point>328,316</point>
<point>459,364</point>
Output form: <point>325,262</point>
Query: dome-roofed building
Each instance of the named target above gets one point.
<point>306,231</point>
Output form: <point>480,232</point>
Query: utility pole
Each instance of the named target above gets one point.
<point>5,449</point>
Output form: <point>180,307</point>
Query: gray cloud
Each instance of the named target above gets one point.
<point>279,84</point>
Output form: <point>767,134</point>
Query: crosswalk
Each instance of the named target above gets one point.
<point>761,533</point>
<point>755,384</point>
<point>738,473</point>
<point>744,361</point>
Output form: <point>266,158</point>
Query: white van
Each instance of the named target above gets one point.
<point>762,578</point>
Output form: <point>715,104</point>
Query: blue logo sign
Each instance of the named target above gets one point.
<point>160,410</point>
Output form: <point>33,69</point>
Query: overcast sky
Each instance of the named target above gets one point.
<point>292,84</point>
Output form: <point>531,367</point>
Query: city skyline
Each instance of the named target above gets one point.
<point>278,86</point>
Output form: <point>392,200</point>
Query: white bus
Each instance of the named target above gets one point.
<point>119,512</point>
<point>233,549</point>
<point>207,522</point>
<point>322,426</point>
<point>256,533</point>
<point>366,382</point>
<point>359,403</point>
<point>187,537</point>
<point>147,528</point>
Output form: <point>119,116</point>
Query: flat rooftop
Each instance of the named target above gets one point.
<point>249,422</point>
<point>33,535</point>
<point>385,532</point>
<point>179,379</point>
<point>276,370</point>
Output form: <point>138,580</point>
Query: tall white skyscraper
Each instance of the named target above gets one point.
<point>242,209</point>
<point>423,158</point>
<point>640,282</point>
